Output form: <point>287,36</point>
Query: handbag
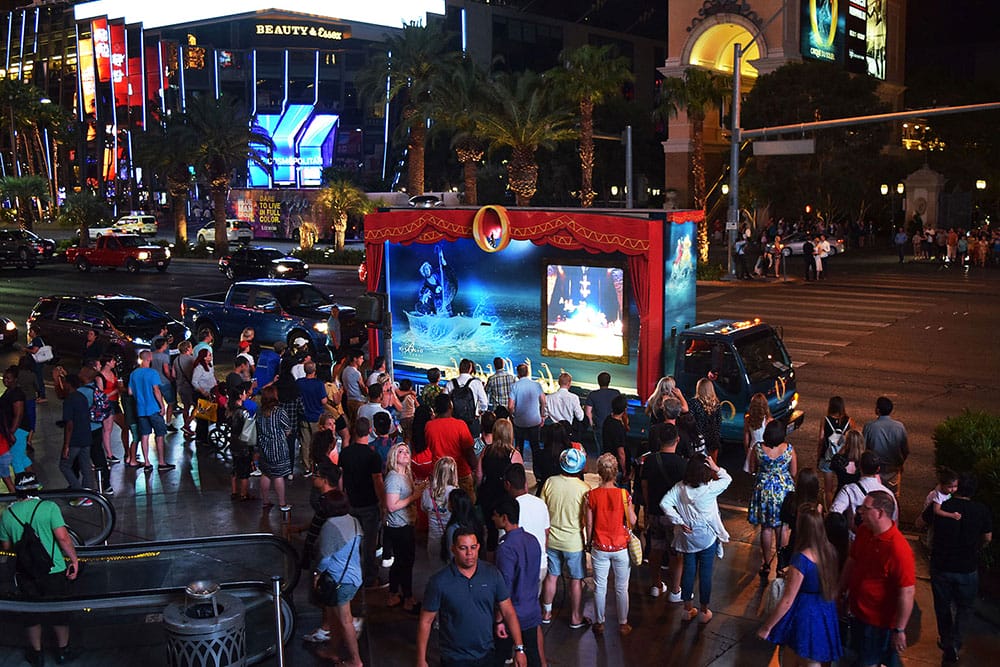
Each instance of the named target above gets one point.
<point>43,354</point>
<point>325,586</point>
<point>248,433</point>
<point>634,543</point>
<point>775,591</point>
<point>206,410</point>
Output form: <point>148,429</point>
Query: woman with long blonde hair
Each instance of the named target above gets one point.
<point>665,388</point>
<point>434,502</point>
<point>805,620</point>
<point>493,464</point>
<point>707,416</point>
<point>399,531</point>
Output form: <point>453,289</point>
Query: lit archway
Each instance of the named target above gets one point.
<point>713,49</point>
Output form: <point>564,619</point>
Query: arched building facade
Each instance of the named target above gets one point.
<point>865,36</point>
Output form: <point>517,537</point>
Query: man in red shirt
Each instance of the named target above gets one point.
<point>880,579</point>
<point>448,436</point>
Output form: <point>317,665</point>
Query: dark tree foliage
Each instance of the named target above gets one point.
<point>841,180</point>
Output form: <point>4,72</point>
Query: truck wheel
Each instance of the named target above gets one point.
<point>787,252</point>
<point>25,258</point>
<point>132,266</point>
<point>82,265</point>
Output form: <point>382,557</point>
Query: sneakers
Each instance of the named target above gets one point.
<point>318,636</point>
<point>256,472</point>
<point>387,562</point>
<point>113,460</point>
<point>359,624</point>
<point>285,508</point>
<point>81,502</point>
<point>655,591</point>
<point>674,597</point>
<point>163,467</point>
<point>705,616</point>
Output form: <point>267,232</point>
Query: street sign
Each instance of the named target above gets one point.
<point>785,147</point>
<point>730,226</point>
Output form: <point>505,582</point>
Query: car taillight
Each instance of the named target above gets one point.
<point>182,310</point>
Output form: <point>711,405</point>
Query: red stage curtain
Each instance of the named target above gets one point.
<point>374,259</point>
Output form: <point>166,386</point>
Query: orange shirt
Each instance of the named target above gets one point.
<point>608,506</point>
<point>448,436</point>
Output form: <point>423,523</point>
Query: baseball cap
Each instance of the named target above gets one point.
<point>27,482</point>
<point>572,461</point>
<point>300,342</point>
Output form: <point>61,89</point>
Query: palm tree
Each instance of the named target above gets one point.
<point>411,69</point>
<point>169,149</point>
<point>520,114</point>
<point>24,191</point>
<point>82,210</point>
<point>225,143</point>
<point>588,76</point>
<point>338,200</point>
<point>696,93</point>
<point>458,103</point>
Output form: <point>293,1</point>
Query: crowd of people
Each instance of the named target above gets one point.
<point>448,466</point>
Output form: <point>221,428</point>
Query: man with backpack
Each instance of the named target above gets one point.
<point>32,528</point>
<point>468,396</point>
<point>76,439</point>
<point>100,409</point>
<point>851,496</point>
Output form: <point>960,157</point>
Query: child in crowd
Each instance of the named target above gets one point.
<point>407,396</point>
<point>432,389</point>
<point>382,442</point>
<point>947,485</point>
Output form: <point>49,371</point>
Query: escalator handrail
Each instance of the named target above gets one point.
<point>179,544</point>
<point>108,514</point>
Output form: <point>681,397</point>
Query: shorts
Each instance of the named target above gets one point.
<point>873,645</point>
<point>661,532</point>
<point>168,393</point>
<point>30,415</point>
<point>241,464</point>
<point>152,424</point>
<point>823,465</point>
<point>340,595</point>
<point>573,560</point>
<point>187,395</point>
<point>5,462</point>
<point>51,586</point>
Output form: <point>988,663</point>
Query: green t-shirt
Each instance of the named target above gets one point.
<point>47,519</point>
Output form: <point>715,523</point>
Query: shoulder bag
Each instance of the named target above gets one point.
<point>634,544</point>
<point>43,354</point>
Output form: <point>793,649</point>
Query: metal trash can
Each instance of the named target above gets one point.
<point>207,630</point>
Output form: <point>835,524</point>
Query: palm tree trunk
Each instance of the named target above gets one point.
<point>470,171</point>
<point>698,182</point>
<point>339,232</point>
<point>415,164</point>
<point>522,174</point>
<point>219,196</point>
<point>180,218</point>
<point>586,153</point>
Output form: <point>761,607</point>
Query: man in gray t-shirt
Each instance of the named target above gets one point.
<point>353,384</point>
<point>161,364</point>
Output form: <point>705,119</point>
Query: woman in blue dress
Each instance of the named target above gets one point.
<point>774,467</point>
<point>804,621</point>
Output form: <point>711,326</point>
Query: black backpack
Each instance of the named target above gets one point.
<point>31,558</point>
<point>464,402</point>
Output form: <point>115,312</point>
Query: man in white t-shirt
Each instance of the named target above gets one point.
<point>534,512</point>
<point>852,495</point>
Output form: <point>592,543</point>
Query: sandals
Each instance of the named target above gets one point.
<point>394,601</point>
<point>585,623</point>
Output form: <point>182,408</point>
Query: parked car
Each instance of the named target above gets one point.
<point>128,322</point>
<point>8,333</point>
<point>237,231</point>
<point>792,244</point>
<point>45,248</point>
<point>117,251</point>
<point>276,310</point>
<point>136,224</point>
<point>17,249</point>
<point>258,262</point>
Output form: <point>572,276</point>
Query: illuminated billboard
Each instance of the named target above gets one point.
<point>304,143</point>
<point>585,312</point>
<point>849,32</point>
<point>823,26</point>
<point>875,30</point>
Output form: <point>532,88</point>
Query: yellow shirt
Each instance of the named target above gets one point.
<point>565,497</point>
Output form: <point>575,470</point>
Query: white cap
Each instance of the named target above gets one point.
<point>300,342</point>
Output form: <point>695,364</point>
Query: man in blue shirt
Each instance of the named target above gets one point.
<point>151,407</point>
<point>313,394</point>
<point>527,411</point>
<point>598,405</point>
<point>76,441</point>
<point>465,593</point>
<point>519,559</point>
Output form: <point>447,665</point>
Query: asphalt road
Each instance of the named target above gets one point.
<point>923,336</point>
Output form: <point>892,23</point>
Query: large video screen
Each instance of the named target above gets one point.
<point>584,310</point>
<point>304,143</point>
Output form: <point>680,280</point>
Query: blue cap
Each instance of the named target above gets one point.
<point>572,461</point>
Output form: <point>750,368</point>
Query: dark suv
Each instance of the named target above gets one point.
<point>17,249</point>
<point>128,322</point>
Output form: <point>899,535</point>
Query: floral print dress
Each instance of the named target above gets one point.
<point>773,482</point>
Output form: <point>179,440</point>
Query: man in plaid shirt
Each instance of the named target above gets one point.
<point>498,385</point>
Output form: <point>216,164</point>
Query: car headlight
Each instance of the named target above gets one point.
<point>795,401</point>
<point>281,268</point>
<point>320,327</point>
<point>143,256</point>
<point>11,326</point>
<point>138,340</point>
<point>305,267</point>
<point>167,251</point>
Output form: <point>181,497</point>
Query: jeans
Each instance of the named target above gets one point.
<point>954,595</point>
<point>531,434</point>
<point>504,648</point>
<point>404,553</point>
<point>603,561</point>
<point>40,379</point>
<point>704,561</point>
<point>98,458</point>
<point>81,456</point>
<point>369,518</point>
